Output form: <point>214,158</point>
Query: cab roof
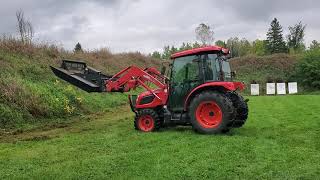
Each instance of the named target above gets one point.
<point>199,50</point>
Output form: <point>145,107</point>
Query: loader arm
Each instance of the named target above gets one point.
<point>132,77</point>
<point>92,80</point>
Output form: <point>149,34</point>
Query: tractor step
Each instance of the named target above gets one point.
<point>79,74</point>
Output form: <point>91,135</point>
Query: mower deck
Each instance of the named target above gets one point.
<point>81,75</point>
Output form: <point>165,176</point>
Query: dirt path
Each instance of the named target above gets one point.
<point>74,125</point>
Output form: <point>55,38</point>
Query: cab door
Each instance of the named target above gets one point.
<point>184,77</point>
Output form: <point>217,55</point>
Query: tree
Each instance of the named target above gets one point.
<point>156,55</point>
<point>24,27</point>
<point>196,45</point>
<point>244,47</point>
<point>259,47</point>
<point>307,71</point>
<point>233,44</point>
<point>166,52</point>
<point>182,47</point>
<point>185,46</point>
<point>295,37</point>
<point>173,50</point>
<point>314,45</point>
<point>78,48</point>
<point>275,42</point>
<point>221,43</point>
<point>204,33</point>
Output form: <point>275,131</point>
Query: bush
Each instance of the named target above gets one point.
<point>9,116</point>
<point>308,69</point>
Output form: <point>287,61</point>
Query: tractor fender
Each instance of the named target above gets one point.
<point>221,86</point>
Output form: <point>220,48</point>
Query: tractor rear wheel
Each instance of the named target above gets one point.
<point>147,120</point>
<point>211,112</point>
<point>241,109</point>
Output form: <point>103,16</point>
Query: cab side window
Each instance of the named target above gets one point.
<point>193,70</point>
<point>185,68</point>
<point>211,66</point>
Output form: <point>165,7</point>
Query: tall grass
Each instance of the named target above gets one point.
<point>30,92</point>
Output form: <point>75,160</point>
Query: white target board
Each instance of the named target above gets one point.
<point>281,88</point>
<point>293,87</point>
<point>271,88</point>
<point>255,89</point>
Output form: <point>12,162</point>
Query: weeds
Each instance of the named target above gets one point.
<point>29,91</point>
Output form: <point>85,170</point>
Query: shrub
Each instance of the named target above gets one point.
<point>9,116</point>
<point>308,69</point>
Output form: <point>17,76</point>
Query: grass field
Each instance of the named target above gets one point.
<point>279,141</point>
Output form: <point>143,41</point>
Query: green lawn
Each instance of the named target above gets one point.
<point>281,140</point>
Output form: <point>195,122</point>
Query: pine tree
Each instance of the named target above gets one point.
<point>275,42</point>
<point>78,48</point>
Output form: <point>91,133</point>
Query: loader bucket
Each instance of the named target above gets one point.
<point>79,74</point>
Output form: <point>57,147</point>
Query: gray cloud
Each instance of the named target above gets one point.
<point>142,25</point>
<point>265,9</point>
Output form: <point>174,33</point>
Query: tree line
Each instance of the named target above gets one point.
<point>275,42</point>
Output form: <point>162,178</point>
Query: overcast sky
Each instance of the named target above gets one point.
<point>148,25</point>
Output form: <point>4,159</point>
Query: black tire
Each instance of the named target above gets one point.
<point>241,109</point>
<point>153,117</point>
<point>222,101</point>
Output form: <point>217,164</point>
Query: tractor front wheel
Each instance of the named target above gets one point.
<point>211,112</point>
<point>147,120</point>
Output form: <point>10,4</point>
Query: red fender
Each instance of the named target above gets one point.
<point>229,86</point>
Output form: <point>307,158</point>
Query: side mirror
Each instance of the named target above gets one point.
<point>233,74</point>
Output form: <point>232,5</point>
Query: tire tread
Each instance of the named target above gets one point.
<point>150,112</point>
<point>227,106</point>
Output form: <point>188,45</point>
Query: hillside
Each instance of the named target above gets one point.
<point>262,69</point>
<point>31,94</point>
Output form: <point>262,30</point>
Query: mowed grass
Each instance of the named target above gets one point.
<point>279,141</point>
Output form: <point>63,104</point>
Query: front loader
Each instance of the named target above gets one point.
<point>198,91</point>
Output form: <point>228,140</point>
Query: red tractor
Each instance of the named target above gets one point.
<point>199,91</point>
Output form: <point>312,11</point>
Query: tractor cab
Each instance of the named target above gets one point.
<point>192,68</point>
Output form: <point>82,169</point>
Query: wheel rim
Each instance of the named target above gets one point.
<point>146,123</point>
<point>209,114</point>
